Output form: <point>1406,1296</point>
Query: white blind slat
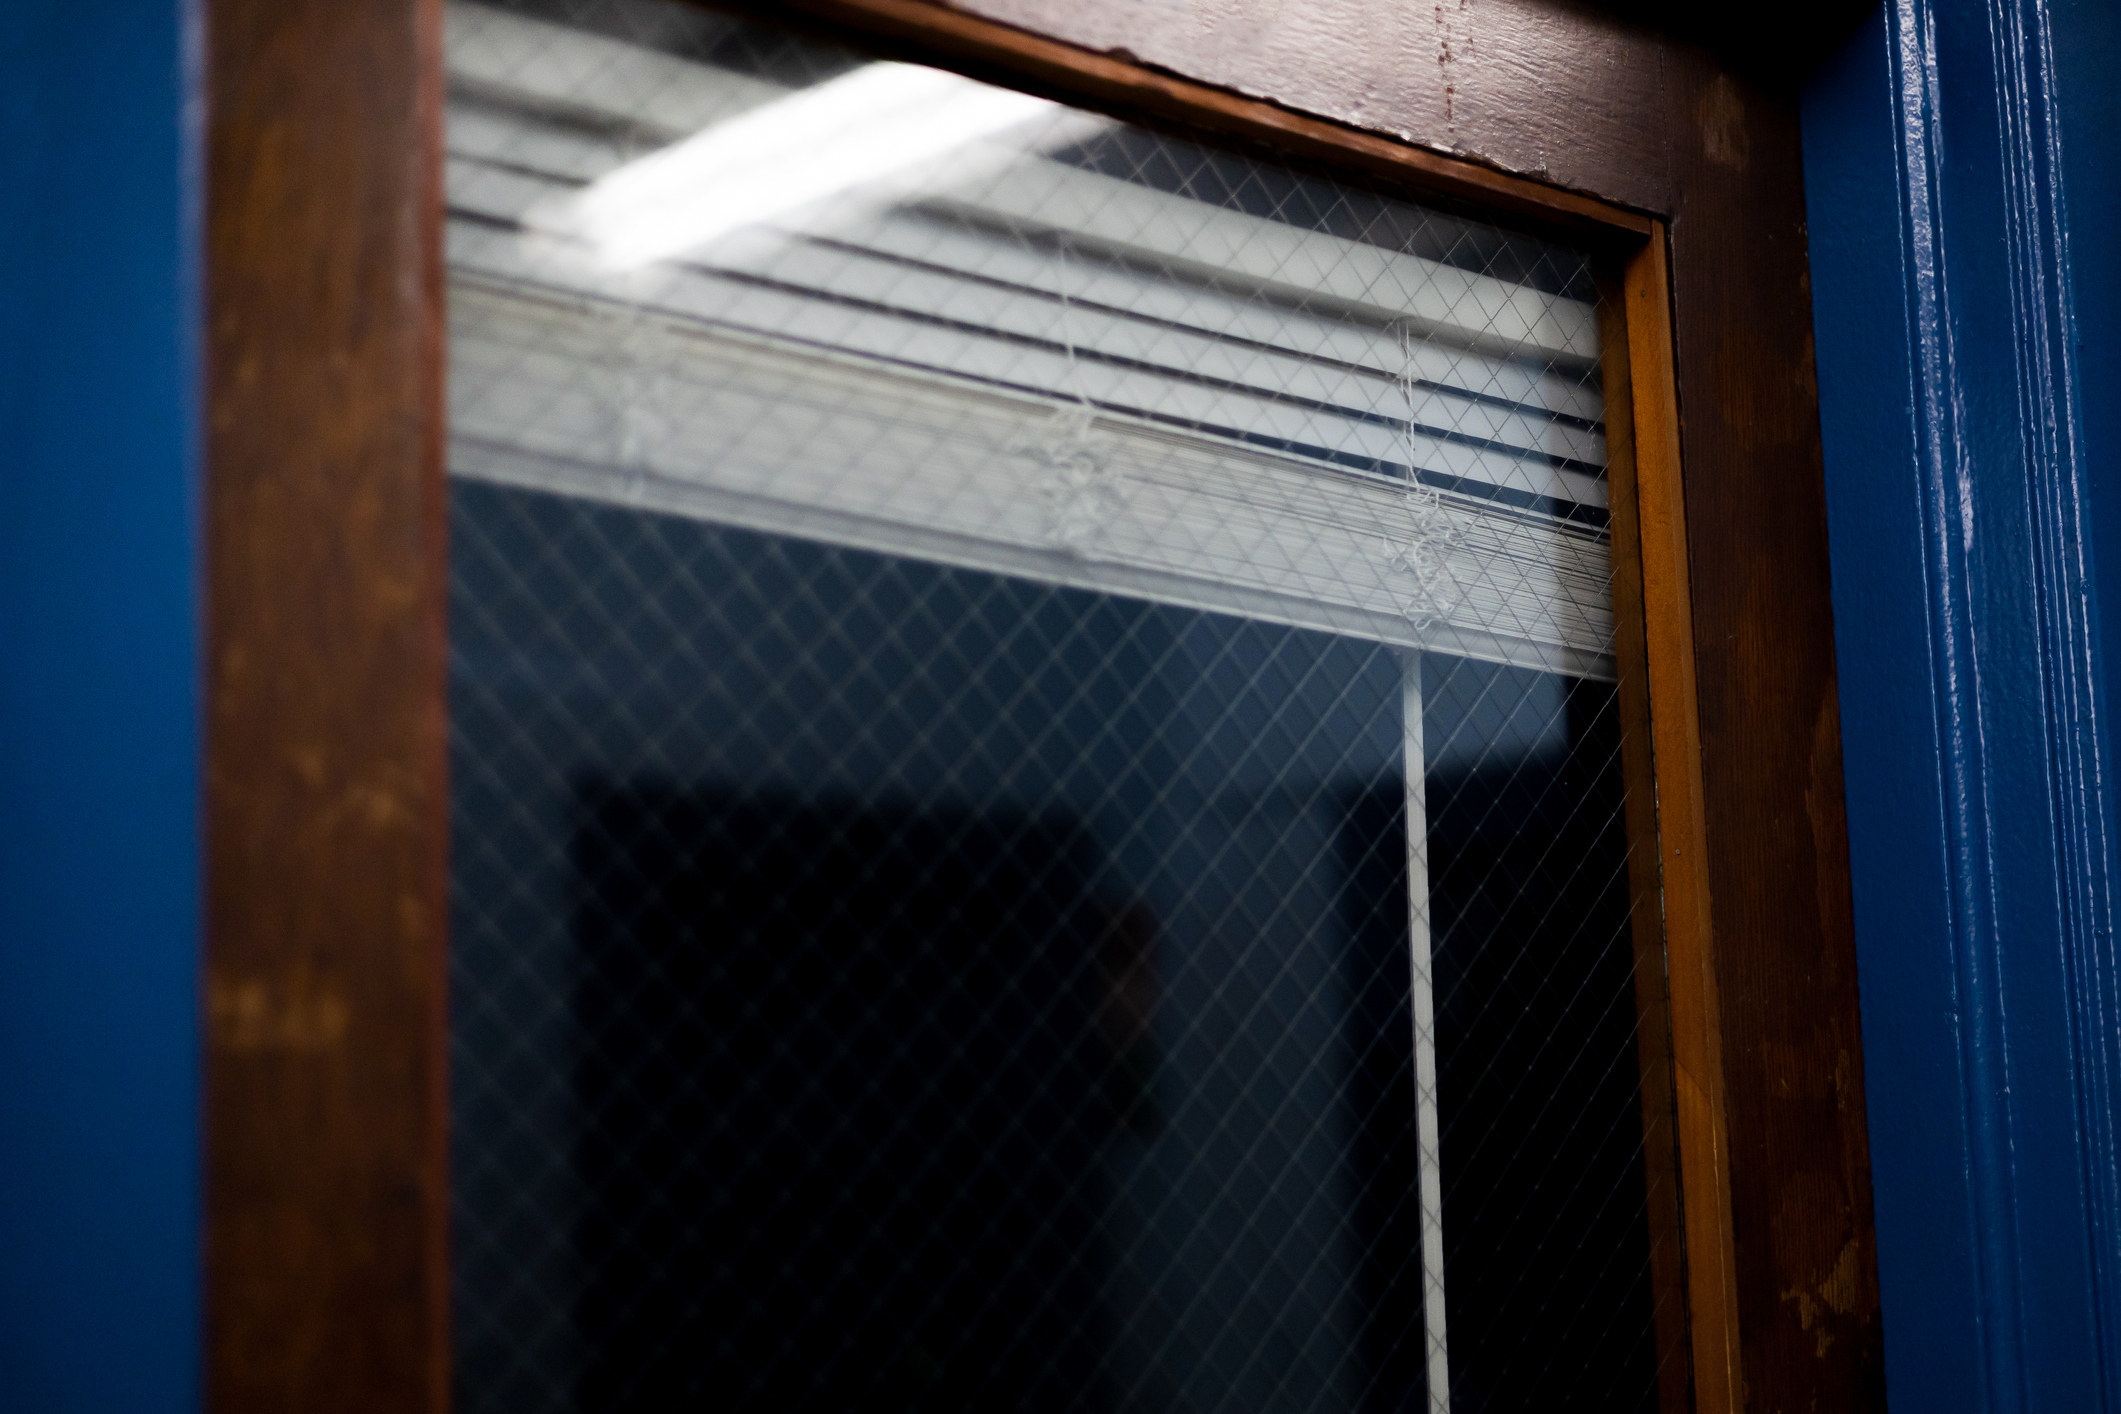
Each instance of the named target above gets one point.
<point>1021,365</point>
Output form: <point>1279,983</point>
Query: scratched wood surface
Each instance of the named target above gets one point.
<point>326,810</point>
<point>1771,750</point>
<point>1611,109</point>
<point>1560,92</point>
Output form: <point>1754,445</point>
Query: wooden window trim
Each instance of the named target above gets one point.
<point>327,820</point>
<point>326,800</point>
<point>1668,833</point>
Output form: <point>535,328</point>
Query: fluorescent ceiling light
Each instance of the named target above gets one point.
<point>874,123</point>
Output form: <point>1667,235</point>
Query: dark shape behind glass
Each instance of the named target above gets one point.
<point>846,1091</point>
<point>750,800</point>
<point>1013,1095</point>
<point>887,985</point>
<point>1538,1082</point>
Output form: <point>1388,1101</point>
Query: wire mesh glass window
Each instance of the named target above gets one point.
<point>1038,811</point>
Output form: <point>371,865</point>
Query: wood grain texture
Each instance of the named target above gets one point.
<point>1615,112</point>
<point>1771,747</point>
<point>1562,93</point>
<point>326,803</point>
<point>1664,1211</point>
<point>1120,86</point>
<point>1660,522</point>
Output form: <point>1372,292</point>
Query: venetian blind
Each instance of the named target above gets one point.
<point>1004,357</point>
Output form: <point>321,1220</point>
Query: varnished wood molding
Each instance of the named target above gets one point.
<point>1654,488</point>
<point>326,806</point>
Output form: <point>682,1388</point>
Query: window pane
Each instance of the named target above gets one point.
<point>956,603</point>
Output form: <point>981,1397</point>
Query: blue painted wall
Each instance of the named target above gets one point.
<point>1960,179</point>
<point>1896,825</point>
<point>99,842</point>
<point>2088,83</point>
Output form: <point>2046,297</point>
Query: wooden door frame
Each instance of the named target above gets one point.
<point>326,811</point>
<point>326,799</point>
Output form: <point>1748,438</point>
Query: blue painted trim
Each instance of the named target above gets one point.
<point>1981,811</point>
<point>99,720</point>
<point>2085,54</point>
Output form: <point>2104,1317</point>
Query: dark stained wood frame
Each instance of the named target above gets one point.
<point>326,810</point>
<point>327,826</point>
<point>1679,1032</point>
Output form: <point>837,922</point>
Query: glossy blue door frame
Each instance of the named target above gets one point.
<point>1959,163</point>
<point>99,848</point>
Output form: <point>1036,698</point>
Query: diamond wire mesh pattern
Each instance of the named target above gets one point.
<point>941,680</point>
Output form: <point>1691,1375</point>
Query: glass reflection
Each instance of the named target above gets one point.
<point>1038,822</point>
<point>992,994</point>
